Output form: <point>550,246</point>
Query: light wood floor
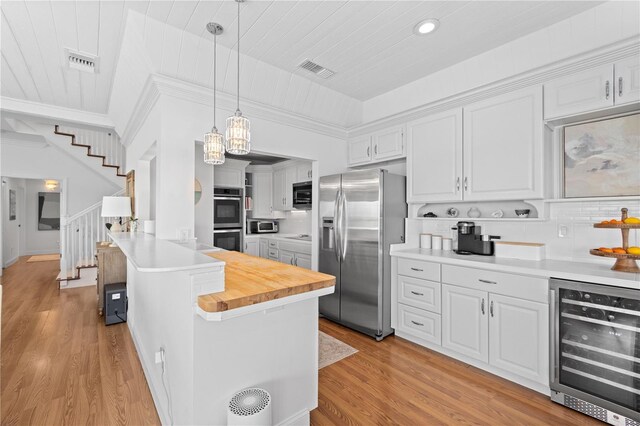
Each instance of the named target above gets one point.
<point>61,365</point>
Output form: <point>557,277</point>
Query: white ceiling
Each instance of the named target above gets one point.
<point>369,44</point>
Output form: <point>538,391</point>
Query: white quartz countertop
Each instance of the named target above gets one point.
<point>563,269</point>
<point>279,237</point>
<point>149,254</point>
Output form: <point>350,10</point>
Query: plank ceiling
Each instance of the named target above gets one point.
<point>369,44</point>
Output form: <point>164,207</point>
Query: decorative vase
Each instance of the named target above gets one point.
<point>474,212</point>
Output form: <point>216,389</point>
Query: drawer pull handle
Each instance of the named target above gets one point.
<point>417,269</point>
<point>416,293</point>
<point>487,281</point>
<point>482,306</point>
<point>418,323</point>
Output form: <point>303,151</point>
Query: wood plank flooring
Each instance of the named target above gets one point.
<point>398,382</point>
<point>61,365</point>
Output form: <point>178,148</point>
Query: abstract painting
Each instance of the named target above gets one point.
<point>602,158</point>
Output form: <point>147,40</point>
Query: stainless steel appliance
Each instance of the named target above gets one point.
<point>595,350</point>
<point>302,195</point>
<point>360,214</point>
<point>227,208</point>
<point>260,226</point>
<point>228,239</point>
<point>471,240</point>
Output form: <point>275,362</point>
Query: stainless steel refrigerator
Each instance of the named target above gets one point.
<point>361,214</point>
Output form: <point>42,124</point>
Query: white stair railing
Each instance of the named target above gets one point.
<point>78,237</point>
<point>105,143</point>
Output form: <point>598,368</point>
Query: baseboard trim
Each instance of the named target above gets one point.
<point>299,419</point>
<point>10,262</point>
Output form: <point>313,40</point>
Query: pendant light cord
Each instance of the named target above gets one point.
<point>215,63</point>
<point>238,83</point>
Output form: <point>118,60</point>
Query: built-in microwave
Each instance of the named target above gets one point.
<point>302,195</point>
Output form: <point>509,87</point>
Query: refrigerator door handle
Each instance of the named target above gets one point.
<point>344,226</point>
<point>336,227</point>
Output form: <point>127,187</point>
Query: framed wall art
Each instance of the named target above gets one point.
<point>602,158</point>
<point>12,204</point>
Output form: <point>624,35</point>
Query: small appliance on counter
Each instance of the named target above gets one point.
<point>472,241</point>
<point>259,226</point>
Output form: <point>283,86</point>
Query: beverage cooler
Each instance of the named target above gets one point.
<point>595,350</point>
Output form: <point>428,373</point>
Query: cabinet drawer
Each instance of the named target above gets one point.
<point>274,254</point>
<point>418,323</point>
<point>419,293</point>
<point>419,269</point>
<point>520,286</point>
<point>273,243</point>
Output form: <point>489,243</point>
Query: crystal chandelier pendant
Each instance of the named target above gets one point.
<point>238,134</point>
<point>214,147</point>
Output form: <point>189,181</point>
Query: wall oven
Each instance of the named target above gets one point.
<point>595,350</point>
<point>227,208</point>
<point>228,239</point>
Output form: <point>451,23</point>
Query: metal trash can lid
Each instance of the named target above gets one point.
<point>249,402</point>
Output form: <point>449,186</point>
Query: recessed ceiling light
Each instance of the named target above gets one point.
<point>427,26</point>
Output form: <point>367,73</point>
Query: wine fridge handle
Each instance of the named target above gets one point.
<point>554,358</point>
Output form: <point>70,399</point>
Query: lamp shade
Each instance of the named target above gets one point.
<point>116,206</point>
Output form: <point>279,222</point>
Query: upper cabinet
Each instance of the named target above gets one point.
<point>380,146</point>
<point>262,199</point>
<point>594,89</point>
<point>503,147</point>
<point>283,180</point>
<point>303,172</point>
<point>488,150</point>
<point>434,153</point>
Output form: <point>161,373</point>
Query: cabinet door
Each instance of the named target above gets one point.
<point>503,147</point>
<point>287,257</point>
<point>519,337</point>
<point>225,176</point>
<point>627,83</point>
<point>303,260</point>
<point>464,321</point>
<point>360,151</point>
<point>434,158</point>
<point>388,144</point>
<point>262,199</point>
<point>289,179</point>
<point>278,189</point>
<point>303,172</point>
<point>264,249</point>
<point>577,93</point>
<point>251,247</point>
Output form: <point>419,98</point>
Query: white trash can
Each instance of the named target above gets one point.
<point>250,406</point>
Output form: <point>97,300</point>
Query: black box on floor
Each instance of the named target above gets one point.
<point>115,303</point>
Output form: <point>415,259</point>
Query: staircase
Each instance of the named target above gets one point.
<point>80,233</point>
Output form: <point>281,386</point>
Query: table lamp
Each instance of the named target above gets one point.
<point>116,207</point>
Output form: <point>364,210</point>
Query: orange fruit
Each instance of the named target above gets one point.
<point>604,222</point>
<point>619,250</point>
<point>613,222</point>
<point>605,250</point>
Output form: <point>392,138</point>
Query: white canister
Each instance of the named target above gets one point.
<point>425,241</point>
<point>149,227</point>
<point>447,244</point>
<point>436,242</point>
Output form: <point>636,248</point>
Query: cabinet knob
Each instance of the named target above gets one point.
<point>368,151</point>
<point>606,89</point>
<point>482,306</point>
<point>491,308</point>
<point>375,149</point>
<point>458,184</point>
<point>466,183</point>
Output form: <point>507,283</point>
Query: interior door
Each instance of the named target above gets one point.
<point>464,321</point>
<point>329,189</point>
<point>360,238</point>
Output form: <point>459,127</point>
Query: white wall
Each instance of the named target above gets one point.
<point>203,227</point>
<point>36,241</point>
<point>597,27</point>
<point>12,230</point>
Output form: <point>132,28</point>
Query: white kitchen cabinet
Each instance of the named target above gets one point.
<point>419,293</point>
<point>262,198</point>
<point>627,80</point>
<point>264,248</point>
<point>303,172</point>
<point>283,180</point>
<point>388,144</point>
<point>302,260</point>
<point>581,92</point>
<point>518,337</point>
<point>287,257</point>
<point>503,147</point>
<point>434,158</point>
<point>252,245</point>
<point>229,177</point>
<point>360,151</point>
<point>464,321</point>
<point>419,323</point>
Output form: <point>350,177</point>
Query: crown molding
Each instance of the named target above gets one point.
<point>584,61</point>
<point>158,85</point>
<point>54,114</point>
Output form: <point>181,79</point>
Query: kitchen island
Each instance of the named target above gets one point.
<point>209,325</point>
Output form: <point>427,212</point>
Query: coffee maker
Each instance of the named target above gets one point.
<point>471,240</point>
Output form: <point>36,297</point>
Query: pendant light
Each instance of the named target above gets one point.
<point>214,140</point>
<point>238,127</point>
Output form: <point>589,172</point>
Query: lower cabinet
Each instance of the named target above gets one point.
<point>264,249</point>
<point>419,323</point>
<point>303,260</point>
<point>465,328</point>
<point>285,252</point>
<point>287,257</point>
<point>252,246</point>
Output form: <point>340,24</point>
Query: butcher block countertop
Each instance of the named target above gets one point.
<point>250,280</point>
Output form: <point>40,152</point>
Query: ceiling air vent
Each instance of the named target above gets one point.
<point>82,61</point>
<point>318,70</point>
